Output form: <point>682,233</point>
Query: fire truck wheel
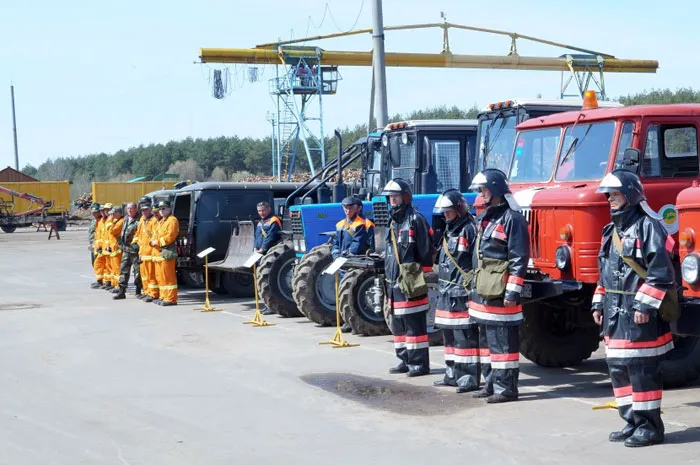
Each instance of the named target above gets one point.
<point>356,297</point>
<point>8,229</point>
<point>434,334</point>
<point>682,365</point>
<point>238,284</point>
<point>313,291</point>
<point>275,280</point>
<point>556,335</point>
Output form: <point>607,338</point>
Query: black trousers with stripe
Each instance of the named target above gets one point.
<point>411,340</point>
<point>637,384</point>
<point>466,356</point>
<point>504,347</point>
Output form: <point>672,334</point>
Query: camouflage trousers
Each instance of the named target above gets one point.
<point>130,261</point>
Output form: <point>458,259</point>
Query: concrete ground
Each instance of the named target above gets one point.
<point>88,380</point>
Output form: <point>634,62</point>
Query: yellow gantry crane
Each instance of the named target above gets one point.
<point>311,72</point>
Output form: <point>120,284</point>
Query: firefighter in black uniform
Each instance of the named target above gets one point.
<point>267,234</point>
<point>500,258</point>
<point>628,306</point>
<point>409,237</point>
<point>460,333</point>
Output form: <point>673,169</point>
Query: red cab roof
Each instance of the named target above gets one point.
<point>569,117</point>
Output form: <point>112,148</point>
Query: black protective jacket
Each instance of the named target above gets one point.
<point>621,291</point>
<point>459,238</point>
<point>503,235</point>
<point>414,245</point>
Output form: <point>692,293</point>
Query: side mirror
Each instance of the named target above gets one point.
<point>631,159</point>
<point>395,152</point>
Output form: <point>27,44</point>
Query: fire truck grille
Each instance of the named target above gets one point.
<point>532,218</point>
<point>381,214</point>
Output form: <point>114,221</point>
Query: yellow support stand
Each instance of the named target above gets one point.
<point>612,405</point>
<point>338,342</point>
<point>258,319</point>
<point>207,307</point>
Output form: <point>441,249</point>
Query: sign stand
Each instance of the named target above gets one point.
<point>338,342</point>
<point>258,319</point>
<point>207,307</point>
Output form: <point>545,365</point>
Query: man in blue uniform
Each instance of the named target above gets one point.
<point>267,234</point>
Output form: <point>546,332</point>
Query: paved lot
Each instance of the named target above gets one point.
<point>87,380</point>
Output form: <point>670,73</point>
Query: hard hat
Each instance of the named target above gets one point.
<point>107,206</point>
<point>163,204</point>
<point>399,186</point>
<point>451,199</point>
<point>118,210</point>
<point>625,181</point>
<point>493,179</point>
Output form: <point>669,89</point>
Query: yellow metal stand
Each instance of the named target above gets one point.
<point>207,307</point>
<point>612,405</point>
<point>338,342</point>
<point>258,319</point>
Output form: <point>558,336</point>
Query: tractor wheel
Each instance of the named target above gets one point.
<point>557,332</point>
<point>434,334</point>
<point>216,283</point>
<point>682,364</point>
<point>356,296</point>
<point>8,228</point>
<point>193,279</point>
<point>314,292</point>
<point>239,284</point>
<point>274,280</point>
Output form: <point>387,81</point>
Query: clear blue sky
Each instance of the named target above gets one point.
<point>102,76</point>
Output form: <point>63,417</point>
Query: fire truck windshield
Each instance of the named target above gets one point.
<point>496,136</point>
<point>535,155</point>
<point>585,151</point>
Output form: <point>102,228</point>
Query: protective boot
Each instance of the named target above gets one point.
<point>481,394</point>
<point>119,295</point>
<point>96,285</point>
<point>399,369</point>
<point>643,441</point>
<point>115,290</point>
<point>414,372</point>
<point>148,299</point>
<point>624,433</point>
<point>500,399</point>
<point>165,303</point>
<point>445,382</point>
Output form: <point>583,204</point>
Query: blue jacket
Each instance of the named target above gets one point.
<point>355,237</point>
<point>267,233</point>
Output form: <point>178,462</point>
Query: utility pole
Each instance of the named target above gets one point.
<point>379,64</point>
<point>14,126</point>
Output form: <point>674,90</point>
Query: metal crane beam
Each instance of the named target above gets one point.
<point>263,56</point>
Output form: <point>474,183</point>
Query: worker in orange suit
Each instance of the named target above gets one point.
<point>98,265</point>
<point>164,243</point>
<point>142,243</point>
<point>115,256</point>
<point>106,246</point>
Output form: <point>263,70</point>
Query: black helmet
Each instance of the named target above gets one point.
<point>493,179</point>
<point>351,200</point>
<point>625,181</point>
<point>163,204</point>
<point>451,199</point>
<point>145,201</point>
<point>399,186</point>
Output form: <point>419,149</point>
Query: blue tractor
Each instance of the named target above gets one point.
<point>432,156</point>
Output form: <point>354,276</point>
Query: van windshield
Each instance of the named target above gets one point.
<point>535,155</point>
<point>585,151</point>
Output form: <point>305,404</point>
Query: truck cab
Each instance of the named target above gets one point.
<point>557,164</point>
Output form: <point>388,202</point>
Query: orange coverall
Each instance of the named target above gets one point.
<point>116,255</point>
<point>99,265</point>
<point>144,231</point>
<point>166,234</point>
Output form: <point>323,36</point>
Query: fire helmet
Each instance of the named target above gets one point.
<point>493,179</point>
<point>451,199</point>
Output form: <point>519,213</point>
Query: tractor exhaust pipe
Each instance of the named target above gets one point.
<point>340,189</point>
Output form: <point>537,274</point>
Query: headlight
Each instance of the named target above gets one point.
<point>404,138</point>
<point>562,257</point>
<point>385,140</point>
<point>690,268</point>
<point>302,245</point>
<point>296,245</point>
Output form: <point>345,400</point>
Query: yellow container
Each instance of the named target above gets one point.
<point>119,192</point>
<point>57,191</point>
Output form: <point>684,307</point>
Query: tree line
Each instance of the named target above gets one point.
<point>229,158</point>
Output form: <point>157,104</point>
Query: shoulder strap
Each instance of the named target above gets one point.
<point>478,248</point>
<point>393,242</point>
<point>639,269</point>
<point>464,274</point>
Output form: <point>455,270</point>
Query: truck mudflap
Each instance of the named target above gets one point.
<point>240,248</point>
<point>689,322</point>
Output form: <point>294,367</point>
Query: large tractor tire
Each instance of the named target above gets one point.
<point>434,334</point>
<point>216,283</point>
<point>238,284</point>
<point>356,296</point>
<point>193,279</point>
<point>274,280</point>
<point>559,332</point>
<point>313,291</point>
<point>682,365</point>
<point>8,229</point>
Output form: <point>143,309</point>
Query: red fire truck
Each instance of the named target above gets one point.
<point>557,164</point>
